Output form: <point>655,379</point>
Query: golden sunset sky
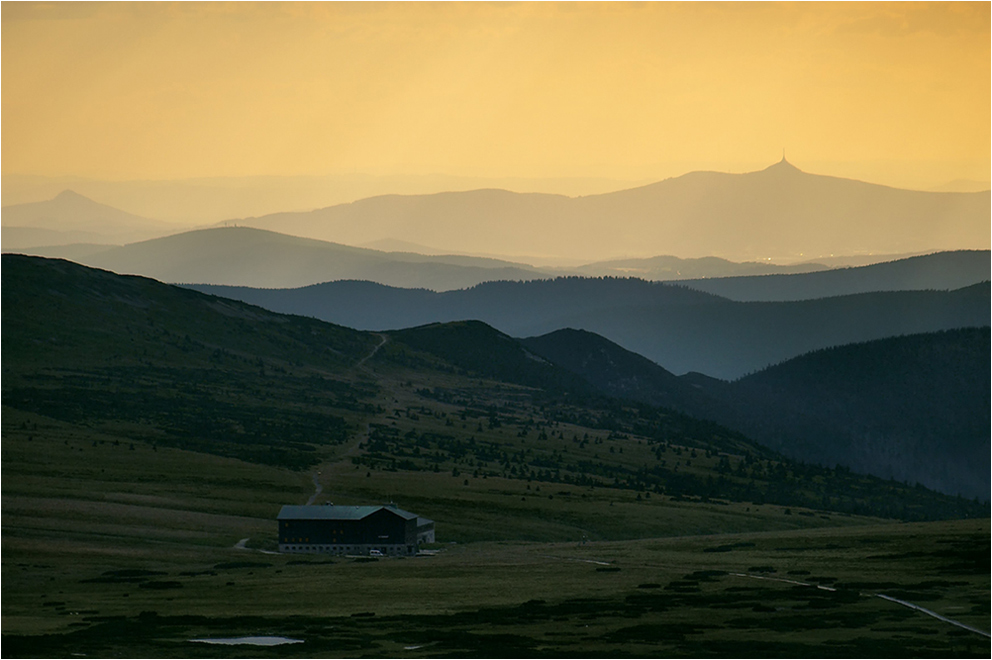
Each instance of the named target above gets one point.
<point>889,93</point>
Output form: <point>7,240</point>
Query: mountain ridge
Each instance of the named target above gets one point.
<point>674,326</point>
<point>939,270</point>
<point>255,257</point>
<point>778,211</point>
<point>69,217</point>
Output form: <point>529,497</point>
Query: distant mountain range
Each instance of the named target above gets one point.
<point>776,212</point>
<point>679,328</point>
<point>73,218</point>
<point>206,200</point>
<point>243,256</point>
<point>779,211</point>
<point>254,257</point>
<point>668,268</point>
<point>912,408</point>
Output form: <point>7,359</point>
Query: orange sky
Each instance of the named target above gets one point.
<point>891,93</point>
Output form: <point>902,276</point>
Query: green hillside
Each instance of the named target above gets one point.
<point>169,366</point>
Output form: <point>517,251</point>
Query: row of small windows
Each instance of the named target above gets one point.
<point>342,548</point>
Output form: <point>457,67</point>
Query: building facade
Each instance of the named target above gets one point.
<point>352,530</point>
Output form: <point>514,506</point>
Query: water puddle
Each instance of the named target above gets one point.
<point>260,640</point>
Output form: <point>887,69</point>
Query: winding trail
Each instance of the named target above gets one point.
<point>353,449</point>
<point>382,342</point>
<point>771,579</point>
<point>317,488</point>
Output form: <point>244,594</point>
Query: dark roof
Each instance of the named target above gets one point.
<point>331,512</point>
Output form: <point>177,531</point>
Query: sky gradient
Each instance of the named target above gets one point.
<point>890,93</point>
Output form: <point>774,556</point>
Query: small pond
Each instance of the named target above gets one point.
<point>258,640</point>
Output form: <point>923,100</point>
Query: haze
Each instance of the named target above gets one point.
<point>343,101</point>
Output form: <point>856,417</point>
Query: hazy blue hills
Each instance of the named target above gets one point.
<point>728,340</point>
<point>667,267</point>
<point>913,408</point>
<point>371,306</point>
<point>776,212</point>
<point>941,270</point>
<point>253,257</point>
<point>679,328</point>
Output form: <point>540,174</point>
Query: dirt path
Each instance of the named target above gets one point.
<point>933,614</point>
<point>904,603</point>
<point>382,342</point>
<point>317,488</point>
<point>326,469</point>
<point>354,447</point>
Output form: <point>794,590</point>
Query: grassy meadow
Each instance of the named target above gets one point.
<point>96,561</point>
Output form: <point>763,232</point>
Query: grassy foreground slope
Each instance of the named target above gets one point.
<point>141,482</point>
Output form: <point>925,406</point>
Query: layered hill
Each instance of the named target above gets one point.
<point>72,218</point>
<point>913,408</point>
<point>112,360</point>
<point>618,372</point>
<point>667,268</point>
<point>942,270</point>
<point>776,212</point>
<point>679,328</point>
<point>253,257</point>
